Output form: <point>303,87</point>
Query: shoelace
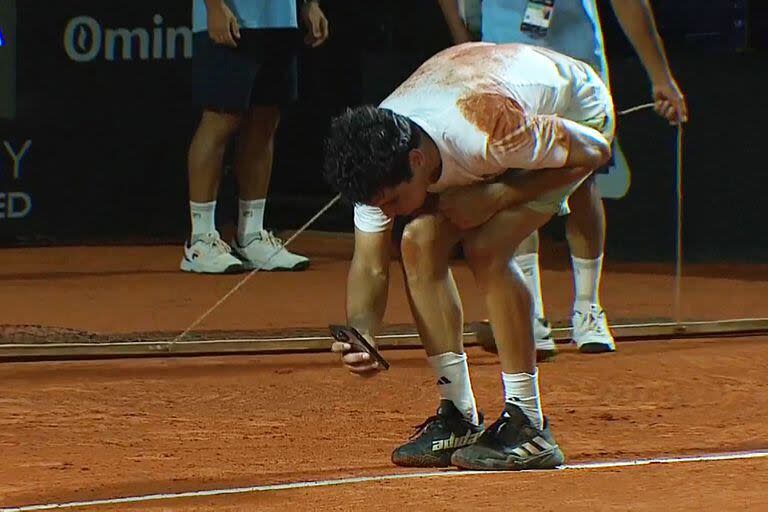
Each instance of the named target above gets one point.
<point>271,239</point>
<point>593,322</point>
<point>425,425</point>
<point>217,243</point>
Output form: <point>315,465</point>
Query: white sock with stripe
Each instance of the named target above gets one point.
<point>453,382</point>
<point>522,390</point>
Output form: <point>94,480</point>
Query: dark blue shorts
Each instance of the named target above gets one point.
<point>261,71</point>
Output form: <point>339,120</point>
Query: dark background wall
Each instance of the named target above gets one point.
<point>106,161</point>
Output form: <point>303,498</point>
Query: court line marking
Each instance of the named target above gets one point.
<point>713,457</point>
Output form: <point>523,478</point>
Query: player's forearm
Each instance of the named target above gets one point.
<point>366,297</point>
<point>452,16</point>
<point>518,188</point>
<point>637,21</point>
<point>587,147</point>
<point>587,150</point>
<point>211,4</point>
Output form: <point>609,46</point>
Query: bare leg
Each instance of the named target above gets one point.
<point>585,226</point>
<point>585,229</point>
<point>527,257</point>
<point>255,152</point>
<point>206,153</point>
<point>205,253</point>
<point>253,169</point>
<point>488,249</point>
<point>426,250</point>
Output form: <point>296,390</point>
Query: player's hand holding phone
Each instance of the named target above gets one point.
<point>358,351</point>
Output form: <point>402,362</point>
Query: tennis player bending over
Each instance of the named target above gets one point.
<point>480,146</point>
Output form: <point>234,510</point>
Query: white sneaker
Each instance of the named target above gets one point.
<point>545,344</point>
<point>591,332</point>
<point>209,254</point>
<point>266,252</point>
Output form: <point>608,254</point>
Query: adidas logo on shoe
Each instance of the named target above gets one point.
<point>438,438</point>
<point>443,380</point>
<point>455,442</point>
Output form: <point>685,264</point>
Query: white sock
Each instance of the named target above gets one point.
<point>522,389</point>
<point>250,220</point>
<point>453,382</point>
<point>529,264</point>
<point>203,218</point>
<point>586,279</point>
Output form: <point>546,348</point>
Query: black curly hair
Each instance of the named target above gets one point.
<point>367,151</point>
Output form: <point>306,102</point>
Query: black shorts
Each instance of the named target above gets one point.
<point>261,71</point>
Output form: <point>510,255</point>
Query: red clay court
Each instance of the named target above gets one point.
<point>245,425</point>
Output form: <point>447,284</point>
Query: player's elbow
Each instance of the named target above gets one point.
<point>600,152</point>
<point>587,148</point>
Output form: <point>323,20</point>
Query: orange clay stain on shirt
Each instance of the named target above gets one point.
<point>456,65</point>
<point>501,118</point>
<point>510,131</point>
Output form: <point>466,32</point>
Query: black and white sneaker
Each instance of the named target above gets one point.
<point>437,438</point>
<point>511,443</point>
<point>209,254</point>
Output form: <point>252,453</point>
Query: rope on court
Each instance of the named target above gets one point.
<point>677,286</point>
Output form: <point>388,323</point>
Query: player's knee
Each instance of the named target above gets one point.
<point>418,244</point>
<point>220,124</point>
<point>484,255</point>
<point>263,121</point>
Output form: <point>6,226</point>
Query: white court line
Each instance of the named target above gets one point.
<point>754,454</point>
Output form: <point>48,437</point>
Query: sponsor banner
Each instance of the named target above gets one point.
<point>94,142</point>
<point>15,198</point>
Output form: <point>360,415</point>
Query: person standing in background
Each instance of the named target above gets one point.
<point>245,69</point>
<point>572,27</point>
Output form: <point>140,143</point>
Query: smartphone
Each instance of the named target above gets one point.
<point>350,335</point>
